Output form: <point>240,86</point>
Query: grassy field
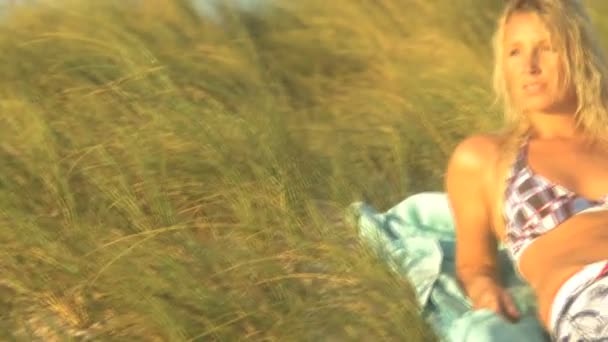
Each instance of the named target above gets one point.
<point>166,177</point>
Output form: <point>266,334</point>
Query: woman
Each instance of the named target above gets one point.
<point>541,185</point>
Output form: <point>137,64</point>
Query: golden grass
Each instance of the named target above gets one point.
<point>165,176</point>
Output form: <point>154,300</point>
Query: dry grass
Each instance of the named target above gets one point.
<point>169,177</point>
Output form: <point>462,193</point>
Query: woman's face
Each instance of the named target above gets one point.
<point>533,68</point>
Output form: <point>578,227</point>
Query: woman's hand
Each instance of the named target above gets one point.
<point>486,293</point>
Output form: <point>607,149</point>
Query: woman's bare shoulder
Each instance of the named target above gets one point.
<point>471,178</point>
<point>480,151</point>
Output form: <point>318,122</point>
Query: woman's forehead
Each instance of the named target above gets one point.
<point>525,26</point>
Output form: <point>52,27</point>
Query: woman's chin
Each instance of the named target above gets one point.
<point>547,107</point>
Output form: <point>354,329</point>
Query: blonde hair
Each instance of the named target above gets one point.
<point>585,71</point>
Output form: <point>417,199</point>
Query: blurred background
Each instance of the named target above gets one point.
<point>175,170</point>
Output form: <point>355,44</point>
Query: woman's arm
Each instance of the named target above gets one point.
<point>467,188</point>
<point>469,184</point>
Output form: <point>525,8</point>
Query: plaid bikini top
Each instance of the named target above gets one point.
<point>534,205</point>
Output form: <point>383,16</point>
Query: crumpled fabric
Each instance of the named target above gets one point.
<point>416,239</point>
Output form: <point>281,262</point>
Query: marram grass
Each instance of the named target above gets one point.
<point>169,177</point>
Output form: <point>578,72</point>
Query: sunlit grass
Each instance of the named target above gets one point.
<point>169,177</point>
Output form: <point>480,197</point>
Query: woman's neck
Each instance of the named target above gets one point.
<point>555,126</point>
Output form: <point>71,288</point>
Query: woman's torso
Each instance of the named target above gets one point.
<point>565,245</point>
<point>556,256</point>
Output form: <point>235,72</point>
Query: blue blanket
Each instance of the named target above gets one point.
<point>416,239</point>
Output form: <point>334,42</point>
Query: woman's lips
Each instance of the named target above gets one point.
<point>533,88</point>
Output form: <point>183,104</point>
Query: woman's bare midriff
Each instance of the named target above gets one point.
<point>579,241</point>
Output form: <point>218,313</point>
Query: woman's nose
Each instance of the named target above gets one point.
<point>532,65</point>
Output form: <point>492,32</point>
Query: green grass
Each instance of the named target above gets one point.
<point>165,177</point>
